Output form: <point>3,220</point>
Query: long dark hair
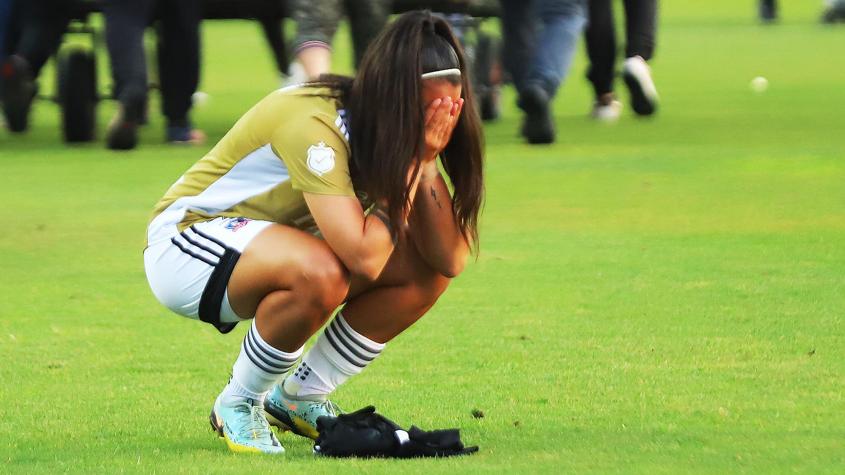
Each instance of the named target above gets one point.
<point>386,117</point>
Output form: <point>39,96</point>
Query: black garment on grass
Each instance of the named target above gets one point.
<point>365,433</point>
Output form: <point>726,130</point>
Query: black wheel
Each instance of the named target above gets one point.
<point>487,69</point>
<point>77,80</point>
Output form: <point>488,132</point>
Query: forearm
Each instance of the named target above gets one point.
<point>362,243</point>
<point>374,248</point>
<point>434,227</point>
<point>378,236</point>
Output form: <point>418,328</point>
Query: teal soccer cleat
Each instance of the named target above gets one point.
<point>296,414</point>
<point>244,427</point>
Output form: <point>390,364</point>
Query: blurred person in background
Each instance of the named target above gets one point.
<point>39,26</point>
<point>834,12</point>
<point>178,33</point>
<point>640,31</point>
<point>540,37</point>
<point>768,10</point>
<point>317,22</point>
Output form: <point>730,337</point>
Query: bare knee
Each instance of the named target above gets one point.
<point>329,282</point>
<point>323,286</point>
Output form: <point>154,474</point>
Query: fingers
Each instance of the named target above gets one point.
<point>441,117</point>
<point>453,122</point>
<point>456,107</point>
<point>436,107</point>
<point>460,107</point>
<point>443,109</point>
<point>431,110</point>
<point>443,102</point>
<point>446,124</point>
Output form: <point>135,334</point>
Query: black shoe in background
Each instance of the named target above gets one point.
<point>122,132</point>
<point>537,127</point>
<point>834,14</point>
<point>18,90</point>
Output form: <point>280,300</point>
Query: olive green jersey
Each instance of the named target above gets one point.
<point>294,140</point>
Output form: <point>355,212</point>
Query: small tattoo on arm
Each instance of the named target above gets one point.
<point>434,195</point>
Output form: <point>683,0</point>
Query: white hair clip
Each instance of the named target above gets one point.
<point>442,73</point>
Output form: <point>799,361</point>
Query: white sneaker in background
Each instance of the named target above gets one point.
<point>607,109</point>
<point>637,76</point>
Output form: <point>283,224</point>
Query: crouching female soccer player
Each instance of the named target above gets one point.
<point>321,195</point>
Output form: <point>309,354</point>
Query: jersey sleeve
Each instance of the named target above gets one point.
<point>316,156</point>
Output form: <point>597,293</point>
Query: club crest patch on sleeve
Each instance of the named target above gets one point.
<point>320,159</point>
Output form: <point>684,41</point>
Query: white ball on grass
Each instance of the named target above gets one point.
<point>199,98</point>
<point>759,84</point>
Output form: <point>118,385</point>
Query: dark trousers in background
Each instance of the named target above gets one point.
<point>178,52</point>
<point>366,20</point>
<point>520,39</point>
<point>640,31</point>
<point>35,29</point>
<point>540,37</point>
<point>317,20</point>
<point>6,9</point>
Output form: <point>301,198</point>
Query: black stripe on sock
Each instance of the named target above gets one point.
<point>263,348</point>
<point>346,344</point>
<point>352,338</point>
<point>274,368</point>
<point>191,253</point>
<point>214,240</point>
<point>204,248</point>
<point>267,349</point>
<point>279,367</point>
<point>340,351</point>
<point>254,361</point>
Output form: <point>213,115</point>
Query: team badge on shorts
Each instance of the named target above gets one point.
<point>320,159</point>
<point>236,223</point>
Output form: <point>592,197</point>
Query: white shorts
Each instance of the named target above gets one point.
<point>189,272</point>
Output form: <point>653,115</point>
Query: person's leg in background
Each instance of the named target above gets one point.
<point>640,31</point>
<point>179,67</point>
<point>6,7</point>
<point>6,12</point>
<point>600,37</point>
<point>126,21</point>
<point>561,25</point>
<point>366,19</point>
<point>316,23</point>
<point>834,12</point>
<point>43,23</point>
<point>640,28</point>
<point>768,10</point>
<point>519,38</point>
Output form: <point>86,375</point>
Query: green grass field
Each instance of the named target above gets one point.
<point>657,296</point>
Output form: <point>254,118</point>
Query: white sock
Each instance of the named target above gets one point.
<point>340,352</point>
<point>258,367</point>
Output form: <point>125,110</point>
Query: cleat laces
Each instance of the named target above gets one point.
<point>331,407</point>
<point>256,425</point>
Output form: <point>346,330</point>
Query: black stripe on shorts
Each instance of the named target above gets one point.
<point>192,253</point>
<point>207,249</point>
<point>215,290</point>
